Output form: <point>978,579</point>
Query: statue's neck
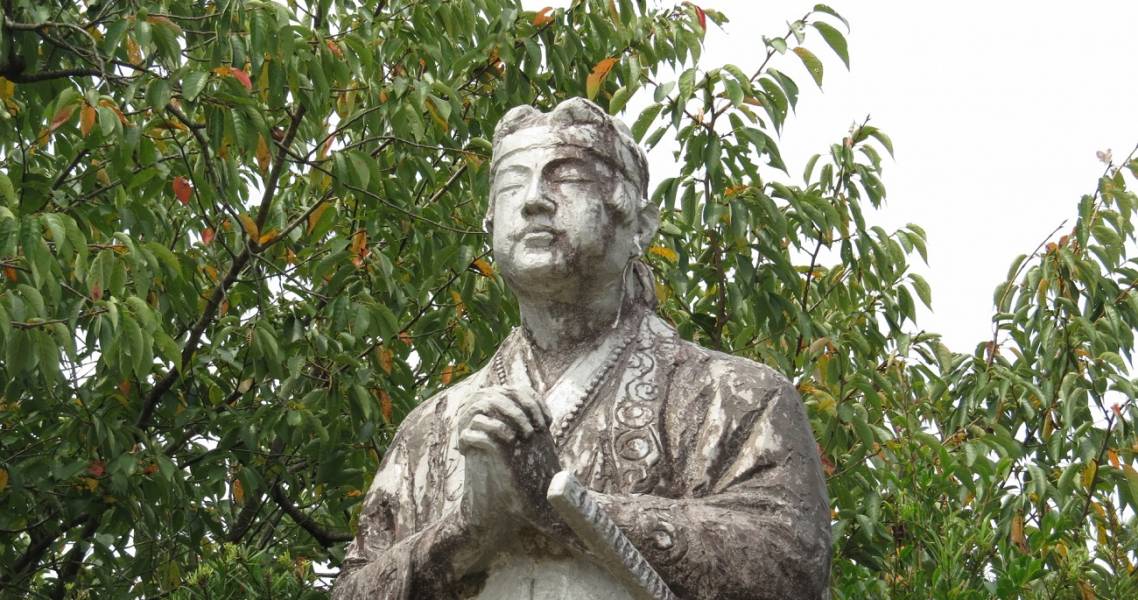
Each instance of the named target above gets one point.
<point>559,331</point>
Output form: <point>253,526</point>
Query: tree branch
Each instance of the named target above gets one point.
<point>322,536</point>
<point>277,170</point>
<point>19,77</point>
<point>74,559</point>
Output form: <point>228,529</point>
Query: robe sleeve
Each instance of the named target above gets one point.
<point>388,558</point>
<point>751,520</point>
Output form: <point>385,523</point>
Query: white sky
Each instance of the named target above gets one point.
<point>996,110</point>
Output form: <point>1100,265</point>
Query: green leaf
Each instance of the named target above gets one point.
<point>734,91</point>
<point>813,65</point>
<point>687,85</point>
<point>158,94</point>
<point>9,193</point>
<point>822,8</point>
<point>193,84</point>
<point>645,120</point>
<point>620,98</point>
<point>836,41</point>
<point>922,288</point>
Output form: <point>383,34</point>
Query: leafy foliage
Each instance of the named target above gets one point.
<point>241,240</point>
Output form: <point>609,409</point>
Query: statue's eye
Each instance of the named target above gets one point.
<point>509,183</point>
<point>571,174</point>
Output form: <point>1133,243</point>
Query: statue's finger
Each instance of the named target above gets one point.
<point>533,407</point>
<point>494,427</point>
<point>507,408</point>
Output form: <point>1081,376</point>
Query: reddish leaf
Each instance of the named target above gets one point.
<point>182,189</point>
<point>238,74</point>
<point>97,468</point>
<point>243,77</point>
<point>542,17</point>
<point>700,14</point>
<point>10,273</point>
<point>207,236</point>
<point>335,48</point>
<point>61,117</point>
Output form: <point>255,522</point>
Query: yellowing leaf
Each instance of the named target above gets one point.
<point>359,248</point>
<point>483,267</point>
<point>385,407</point>
<point>1017,536</point>
<point>262,155</point>
<point>238,492</point>
<point>250,226</point>
<point>459,305</point>
<point>813,65</point>
<point>268,236</point>
<point>1089,473</point>
<point>3,479</point>
<point>436,117</point>
<point>597,77</point>
<point>447,374</point>
<point>314,216</point>
<point>87,118</point>
<point>386,359</point>
<point>133,52</point>
<point>664,252</point>
<point>165,22</point>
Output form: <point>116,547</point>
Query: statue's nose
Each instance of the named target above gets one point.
<point>537,200</point>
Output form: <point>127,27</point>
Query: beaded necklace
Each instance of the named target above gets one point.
<point>562,427</point>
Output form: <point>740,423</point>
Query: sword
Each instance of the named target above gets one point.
<point>596,529</point>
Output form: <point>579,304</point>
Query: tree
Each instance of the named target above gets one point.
<point>240,240</point>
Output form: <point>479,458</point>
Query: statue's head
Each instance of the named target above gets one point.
<point>568,200</point>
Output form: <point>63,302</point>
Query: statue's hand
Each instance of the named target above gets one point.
<point>510,459</point>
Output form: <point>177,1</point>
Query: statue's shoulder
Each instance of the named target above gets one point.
<point>697,369</point>
<point>443,404</point>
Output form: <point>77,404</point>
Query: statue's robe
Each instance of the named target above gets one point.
<point>705,460</point>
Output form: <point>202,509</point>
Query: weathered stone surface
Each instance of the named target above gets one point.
<point>704,461</point>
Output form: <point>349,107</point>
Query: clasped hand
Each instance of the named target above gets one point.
<point>510,459</point>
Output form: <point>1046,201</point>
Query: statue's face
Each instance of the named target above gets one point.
<point>553,229</point>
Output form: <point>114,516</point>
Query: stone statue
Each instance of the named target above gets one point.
<point>680,472</point>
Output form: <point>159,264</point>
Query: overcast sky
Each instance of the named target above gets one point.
<point>996,110</point>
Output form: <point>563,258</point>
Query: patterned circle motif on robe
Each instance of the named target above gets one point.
<point>636,412</point>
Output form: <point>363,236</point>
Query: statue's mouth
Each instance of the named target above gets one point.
<point>538,235</point>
